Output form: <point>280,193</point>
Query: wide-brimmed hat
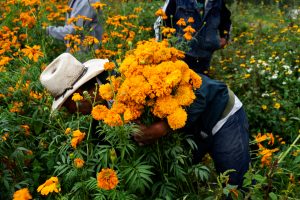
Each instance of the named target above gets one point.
<point>65,74</point>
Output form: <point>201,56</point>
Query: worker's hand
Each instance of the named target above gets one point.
<point>149,134</point>
<point>223,42</point>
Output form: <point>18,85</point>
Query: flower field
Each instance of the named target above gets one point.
<point>69,157</point>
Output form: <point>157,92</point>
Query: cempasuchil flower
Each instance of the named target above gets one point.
<point>153,80</point>
<point>22,194</point>
<point>107,179</point>
<point>77,137</point>
<point>51,185</point>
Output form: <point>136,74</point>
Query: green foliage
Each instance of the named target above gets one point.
<point>261,65</point>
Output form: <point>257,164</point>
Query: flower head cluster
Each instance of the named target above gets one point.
<point>78,162</point>
<point>107,179</point>
<point>154,77</point>
<point>78,136</point>
<point>22,194</point>
<point>51,185</point>
<point>265,152</point>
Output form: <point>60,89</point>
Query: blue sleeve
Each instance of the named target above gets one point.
<point>81,7</point>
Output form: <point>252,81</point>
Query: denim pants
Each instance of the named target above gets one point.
<point>229,147</point>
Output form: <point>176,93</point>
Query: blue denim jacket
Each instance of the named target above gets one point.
<point>210,27</point>
<point>208,107</point>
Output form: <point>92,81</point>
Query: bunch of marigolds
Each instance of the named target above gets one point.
<point>152,77</point>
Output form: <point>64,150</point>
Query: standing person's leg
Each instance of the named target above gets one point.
<point>231,147</point>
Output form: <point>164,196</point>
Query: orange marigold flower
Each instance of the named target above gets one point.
<point>267,156</point>
<point>191,20</point>
<point>181,22</point>
<point>260,138</point>
<point>184,95</point>
<point>99,112</point>
<point>187,36</point>
<point>195,79</point>
<point>189,29</point>
<point>33,53</point>
<point>177,119</point>
<point>113,119</point>
<point>165,106</point>
<point>26,129</point>
<point>78,162</point>
<point>106,91</point>
<point>78,136</point>
<point>160,12</point>
<point>77,97</point>
<point>109,66</point>
<point>51,185</point>
<point>107,179</point>
<point>22,194</point>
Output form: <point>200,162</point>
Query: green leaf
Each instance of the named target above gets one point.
<point>273,196</point>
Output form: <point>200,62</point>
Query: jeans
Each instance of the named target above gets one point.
<point>229,147</point>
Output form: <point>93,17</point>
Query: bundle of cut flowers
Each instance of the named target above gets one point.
<point>153,82</point>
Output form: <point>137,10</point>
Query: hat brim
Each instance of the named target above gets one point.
<point>94,68</point>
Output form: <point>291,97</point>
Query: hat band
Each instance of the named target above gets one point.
<point>71,86</point>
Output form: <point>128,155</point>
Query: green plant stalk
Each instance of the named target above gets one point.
<point>283,155</point>
<point>91,122</point>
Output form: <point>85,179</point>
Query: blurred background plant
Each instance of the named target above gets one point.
<point>261,65</point>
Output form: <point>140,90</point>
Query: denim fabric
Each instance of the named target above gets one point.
<point>200,66</point>
<point>206,40</point>
<point>229,147</point>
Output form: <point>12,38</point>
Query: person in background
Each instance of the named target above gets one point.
<point>78,8</point>
<point>218,124</point>
<point>211,22</point>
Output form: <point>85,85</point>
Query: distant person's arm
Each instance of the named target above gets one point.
<point>225,25</point>
<point>82,8</point>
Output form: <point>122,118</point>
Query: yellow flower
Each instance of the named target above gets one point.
<point>77,97</point>
<point>106,92</point>
<point>177,119</point>
<point>67,131</point>
<point>107,179</point>
<point>264,107</point>
<point>22,194</point>
<point>51,185</point>
<point>277,105</point>
<point>98,5</point>
<point>242,65</point>
<point>78,162</point>
<point>78,136</point>
<point>247,75</point>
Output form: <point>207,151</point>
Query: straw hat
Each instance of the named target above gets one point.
<point>64,75</point>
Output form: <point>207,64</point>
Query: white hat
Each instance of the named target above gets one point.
<point>64,75</point>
